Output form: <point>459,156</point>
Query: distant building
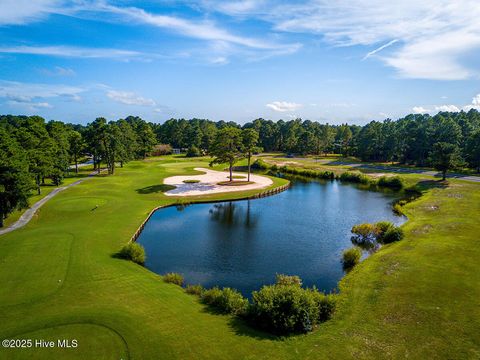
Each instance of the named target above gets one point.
<point>176,151</point>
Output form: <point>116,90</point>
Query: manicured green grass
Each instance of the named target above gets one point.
<point>417,298</point>
<point>46,189</point>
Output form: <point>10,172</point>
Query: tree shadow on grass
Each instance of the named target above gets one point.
<point>425,185</point>
<point>241,327</point>
<point>155,189</point>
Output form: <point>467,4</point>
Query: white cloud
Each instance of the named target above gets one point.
<point>237,7</point>
<point>31,105</point>
<point>420,110</point>
<point>42,105</point>
<point>474,105</point>
<point>384,46</point>
<point>28,92</point>
<point>431,37</point>
<point>59,71</point>
<point>283,106</point>
<point>70,51</point>
<point>476,100</point>
<point>221,60</point>
<point>129,98</point>
<point>447,108</point>
<point>13,12</point>
<point>205,30</point>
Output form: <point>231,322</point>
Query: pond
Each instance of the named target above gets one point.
<point>244,244</point>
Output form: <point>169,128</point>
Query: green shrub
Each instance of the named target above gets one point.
<point>260,164</point>
<point>211,296</point>
<point>173,278</point>
<point>387,232</point>
<point>226,300</point>
<point>355,177</point>
<point>383,232</point>
<point>285,309</point>
<point>397,209</point>
<point>365,232</point>
<point>383,227</point>
<point>326,305</point>
<point>351,257</point>
<point>282,279</point>
<point>393,182</point>
<point>133,252</point>
<point>193,151</point>
<point>194,289</point>
<point>391,235</point>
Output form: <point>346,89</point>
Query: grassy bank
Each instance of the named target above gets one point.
<point>416,298</point>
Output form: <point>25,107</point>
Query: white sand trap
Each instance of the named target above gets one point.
<point>208,183</point>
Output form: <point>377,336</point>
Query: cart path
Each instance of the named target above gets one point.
<point>28,214</point>
<point>393,169</point>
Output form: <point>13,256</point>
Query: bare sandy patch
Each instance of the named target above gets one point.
<point>208,183</point>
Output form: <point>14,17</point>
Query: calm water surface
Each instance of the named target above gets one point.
<point>243,244</point>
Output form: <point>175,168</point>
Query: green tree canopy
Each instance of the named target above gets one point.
<point>227,147</point>
<point>444,156</point>
<point>250,142</point>
<point>15,180</point>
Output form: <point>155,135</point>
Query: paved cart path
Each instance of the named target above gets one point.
<point>28,214</point>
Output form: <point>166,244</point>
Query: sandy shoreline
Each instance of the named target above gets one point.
<point>208,183</point>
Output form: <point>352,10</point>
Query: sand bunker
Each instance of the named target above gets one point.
<point>208,183</point>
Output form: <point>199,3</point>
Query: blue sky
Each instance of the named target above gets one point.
<point>329,61</point>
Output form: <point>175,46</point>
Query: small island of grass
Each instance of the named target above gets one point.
<point>235,183</point>
<point>191,181</point>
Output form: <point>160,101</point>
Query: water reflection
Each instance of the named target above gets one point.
<point>244,244</point>
<point>230,215</point>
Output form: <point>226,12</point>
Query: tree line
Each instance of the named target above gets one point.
<point>32,149</point>
<point>409,140</point>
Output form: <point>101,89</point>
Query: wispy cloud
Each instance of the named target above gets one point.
<point>238,7</point>
<point>33,96</point>
<point>432,37</point>
<point>71,51</point>
<point>30,105</point>
<point>205,30</point>
<point>59,71</point>
<point>283,106</point>
<point>27,92</point>
<point>129,98</point>
<point>201,29</point>
<point>14,12</point>
<point>373,52</point>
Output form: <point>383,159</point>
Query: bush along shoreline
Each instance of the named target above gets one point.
<point>356,177</point>
<point>283,308</point>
